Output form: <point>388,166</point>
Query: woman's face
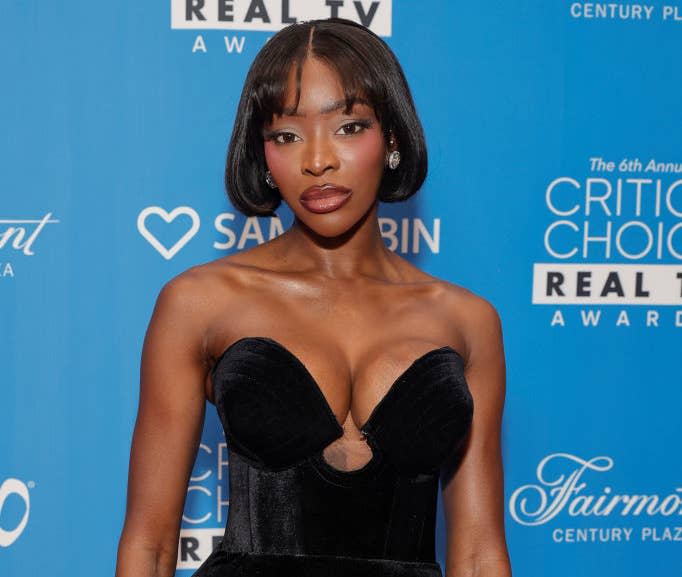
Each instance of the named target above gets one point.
<point>327,164</point>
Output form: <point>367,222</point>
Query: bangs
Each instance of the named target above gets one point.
<point>355,76</point>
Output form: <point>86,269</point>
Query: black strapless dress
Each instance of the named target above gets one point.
<point>291,513</point>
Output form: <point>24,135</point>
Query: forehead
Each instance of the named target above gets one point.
<point>319,90</point>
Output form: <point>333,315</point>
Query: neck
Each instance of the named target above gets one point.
<point>360,251</point>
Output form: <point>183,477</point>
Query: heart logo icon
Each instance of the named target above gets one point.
<point>168,217</point>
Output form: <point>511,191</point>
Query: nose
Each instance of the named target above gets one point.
<point>319,156</point>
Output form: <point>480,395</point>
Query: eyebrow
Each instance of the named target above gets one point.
<point>332,107</point>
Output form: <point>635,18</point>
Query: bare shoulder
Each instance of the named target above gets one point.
<point>202,298</point>
<point>476,319</point>
<point>197,290</point>
<point>204,285</point>
<point>463,303</point>
<point>188,291</point>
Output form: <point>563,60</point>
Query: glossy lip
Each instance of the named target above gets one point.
<point>322,198</point>
<point>323,191</point>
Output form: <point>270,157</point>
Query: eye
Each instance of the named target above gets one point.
<point>284,137</point>
<point>354,127</point>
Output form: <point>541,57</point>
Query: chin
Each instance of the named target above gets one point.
<point>329,229</point>
<point>333,224</point>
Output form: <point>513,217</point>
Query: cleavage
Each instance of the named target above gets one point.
<point>386,365</point>
<point>350,450</point>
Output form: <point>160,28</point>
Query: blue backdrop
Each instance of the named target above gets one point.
<point>555,191</point>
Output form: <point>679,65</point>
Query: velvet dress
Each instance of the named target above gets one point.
<point>291,513</point>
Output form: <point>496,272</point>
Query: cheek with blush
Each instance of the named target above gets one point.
<point>365,155</point>
<point>277,162</point>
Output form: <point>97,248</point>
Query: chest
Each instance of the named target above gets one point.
<point>275,412</point>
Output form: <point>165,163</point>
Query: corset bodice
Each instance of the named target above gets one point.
<point>287,502</point>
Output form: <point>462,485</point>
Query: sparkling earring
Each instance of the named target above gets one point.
<point>268,179</point>
<point>393,160</point>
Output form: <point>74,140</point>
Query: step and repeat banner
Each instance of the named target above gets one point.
<point>554,191</point>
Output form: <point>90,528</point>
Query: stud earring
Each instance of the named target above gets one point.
<point>393,160</point>
<point>268,179</point>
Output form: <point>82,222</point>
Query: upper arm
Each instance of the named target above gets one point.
<point>170,416</point>
<point>473,498</point>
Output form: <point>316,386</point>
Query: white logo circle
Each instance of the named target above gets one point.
<point>14,487</point>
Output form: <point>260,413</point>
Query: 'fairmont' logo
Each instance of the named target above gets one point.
<point>20,234</point>
<point>566,490</point>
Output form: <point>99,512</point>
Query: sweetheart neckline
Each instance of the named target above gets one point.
<point>316,387</point>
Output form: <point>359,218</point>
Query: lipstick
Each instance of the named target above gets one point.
<point>324,197</point>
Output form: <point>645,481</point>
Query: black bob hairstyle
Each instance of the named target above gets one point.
<point>367,69</point>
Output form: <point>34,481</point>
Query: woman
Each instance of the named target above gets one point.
<point>345,377</point>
